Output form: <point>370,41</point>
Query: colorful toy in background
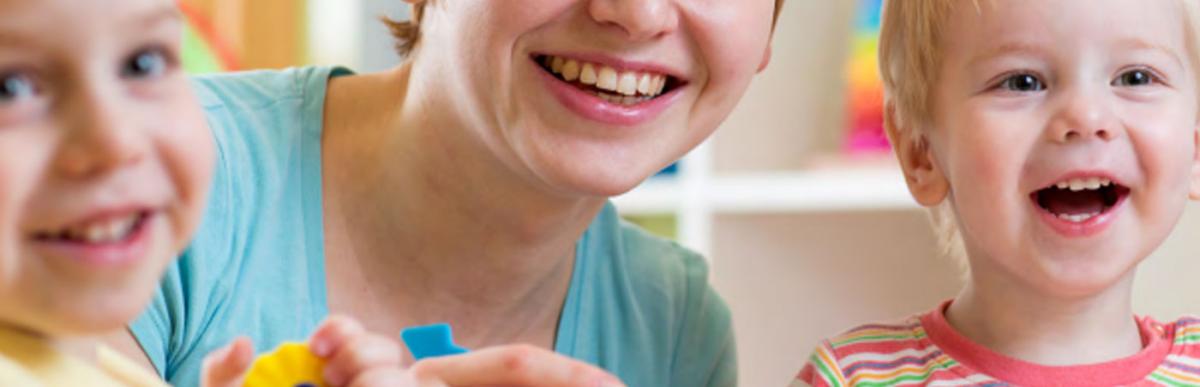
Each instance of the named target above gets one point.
<point>865,134</point>
<point>204,49</point>
<point>670,170</point>
<point>289,365</point>
<point>431,341</point>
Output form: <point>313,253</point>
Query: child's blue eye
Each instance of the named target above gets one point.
<point>146,64</point>
<point>14,87</point>
<point>1135,78</point>
<point>1022,83</point>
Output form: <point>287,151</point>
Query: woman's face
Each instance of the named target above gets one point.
<point>590,97</point>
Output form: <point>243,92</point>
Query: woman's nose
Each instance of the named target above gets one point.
<point>639,19</point>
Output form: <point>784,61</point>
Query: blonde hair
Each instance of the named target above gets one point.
<point>909,61</point>
<point>408,32</point>
<point>910,48</point>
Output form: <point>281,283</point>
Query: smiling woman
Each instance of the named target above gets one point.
<point>470,184</point>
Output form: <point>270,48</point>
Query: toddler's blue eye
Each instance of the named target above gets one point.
<point>145,64</point>
<point>14,87</point>
<point>1022,83</point>
<point>1134,78</point>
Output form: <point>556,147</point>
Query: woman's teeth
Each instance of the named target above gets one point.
<point>629,87</point>
<point>107,231</point>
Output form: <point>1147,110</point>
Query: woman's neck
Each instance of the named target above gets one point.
<point>424,209</point>
<point>1014,320</point>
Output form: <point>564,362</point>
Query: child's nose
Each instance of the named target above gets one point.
<point>98,137</point>
<point>639,19</point>
<point>1083,118</point>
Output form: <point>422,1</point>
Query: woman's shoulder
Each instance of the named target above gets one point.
<point>266,126</point>
<point>250,89</point>
<point>266,129</point>
<point>270,112</point>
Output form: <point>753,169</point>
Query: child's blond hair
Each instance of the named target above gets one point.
<point>910,48</point>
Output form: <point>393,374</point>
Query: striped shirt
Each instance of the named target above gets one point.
<point>925,350</point>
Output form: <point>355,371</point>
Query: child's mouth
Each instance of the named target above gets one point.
<point>1079,200</point>
<point>614,86</point>
<point>111,241</point>
<point>108,231</point>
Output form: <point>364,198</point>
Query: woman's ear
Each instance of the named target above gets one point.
<point>926,182</point>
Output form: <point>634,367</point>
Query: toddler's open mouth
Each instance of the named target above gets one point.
<point>1078,200</point>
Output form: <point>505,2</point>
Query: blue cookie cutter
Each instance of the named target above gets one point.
<point>431,341</point>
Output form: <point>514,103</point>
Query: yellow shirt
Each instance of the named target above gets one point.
<point>27,360</point>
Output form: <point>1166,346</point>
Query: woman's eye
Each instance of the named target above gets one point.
<point>146,64</point>
<point>1022,83</point>
<point>1135,78</point>
<point>15,87</point>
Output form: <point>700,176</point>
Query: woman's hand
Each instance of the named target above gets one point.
<point>357,358</point>
<point>353,357</point>
<point>514,366</point>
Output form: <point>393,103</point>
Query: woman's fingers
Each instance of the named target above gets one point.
<point>391,377</point>
<point>513,365</point>
<point>333,333</point>
<point>354,356</point>
<point>361,355</point>
<point>226,367</point>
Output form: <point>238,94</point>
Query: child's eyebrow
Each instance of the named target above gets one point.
<point>167,13</point>
<point>1007,49</point>
<point>1036,50</point>
<point>1144,45</point>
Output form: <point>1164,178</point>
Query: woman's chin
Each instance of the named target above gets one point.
<point>596,180</point>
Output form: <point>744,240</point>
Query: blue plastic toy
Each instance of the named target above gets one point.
<point>431,341</point>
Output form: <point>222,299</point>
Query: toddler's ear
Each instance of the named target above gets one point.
<point>766,58</point>
<point>1194,193</point>
<point>926,182</point>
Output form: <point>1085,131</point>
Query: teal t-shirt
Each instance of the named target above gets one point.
<point>638,306</point>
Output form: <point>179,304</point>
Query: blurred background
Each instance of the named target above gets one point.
<point>795,201</point>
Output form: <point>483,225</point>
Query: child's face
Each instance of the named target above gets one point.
<point>104,160</point>
<point>1097,97</point>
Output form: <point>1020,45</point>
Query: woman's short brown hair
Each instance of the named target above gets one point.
<point>408,32</point>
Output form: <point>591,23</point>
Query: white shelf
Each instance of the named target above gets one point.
<point>658,195</point>
<point>832,189</point>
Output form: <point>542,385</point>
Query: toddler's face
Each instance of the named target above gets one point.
<point>104,160</point>
<point>1067,131</point>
